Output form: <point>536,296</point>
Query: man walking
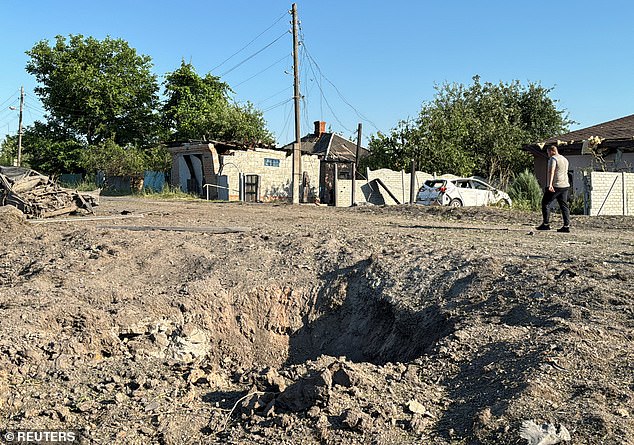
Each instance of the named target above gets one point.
<point>557,187</point>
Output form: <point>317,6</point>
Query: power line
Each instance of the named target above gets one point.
<point>253,55</point>
<point>361,116</point>
<point>289,113</point>
<point>276,94</point>
<point>248,44</point>
<point>328,103</point>
<point>279,104</point>
<point>13,96</point>
<point>260,72</point>
<point>9,109</point>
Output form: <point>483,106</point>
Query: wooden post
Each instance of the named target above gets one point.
<point>356,166</point>
<point>297,156</point>
<point>335,182</point>
<point>20,127</point>
<point>412,184</point>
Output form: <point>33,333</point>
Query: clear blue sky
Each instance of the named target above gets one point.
<point>373,62</point>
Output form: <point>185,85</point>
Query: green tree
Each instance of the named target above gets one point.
<point>200,108</point>
<point>477,129</point>
<point>96,90</point>
<point>8,150</point>
<point>113,159</point>
<point>47,149</point>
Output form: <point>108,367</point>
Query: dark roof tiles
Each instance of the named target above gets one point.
<point>622,128</point>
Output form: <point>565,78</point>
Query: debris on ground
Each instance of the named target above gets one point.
<point>545,434</point>
<point>317,325</point>
<point>38,196</point>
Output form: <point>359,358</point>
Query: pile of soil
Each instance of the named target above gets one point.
<point>164,322</point>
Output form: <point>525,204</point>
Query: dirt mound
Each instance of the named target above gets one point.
<point>317,325</point>
<point>11,219</point>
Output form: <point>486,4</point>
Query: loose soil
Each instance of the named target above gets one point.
<point>164,322</point>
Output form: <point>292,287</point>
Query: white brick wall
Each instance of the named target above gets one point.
<point>398,182</point>
<point>611,193</point>
<point>275,182</point>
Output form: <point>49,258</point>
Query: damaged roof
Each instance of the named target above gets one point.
<point>617,134</point>
<point>330,146</point>
<point>622,128</point>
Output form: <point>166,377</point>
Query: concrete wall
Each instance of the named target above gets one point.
<point>275,182</point>
<point>610,193</point>
<point>398,182</point>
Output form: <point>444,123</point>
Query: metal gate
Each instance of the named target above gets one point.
<point>251,188</point>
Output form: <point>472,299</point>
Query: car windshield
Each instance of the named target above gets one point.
<point>435,183</point>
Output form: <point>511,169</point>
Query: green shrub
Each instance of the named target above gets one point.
<point>526,192</point>
<point>577,206</point>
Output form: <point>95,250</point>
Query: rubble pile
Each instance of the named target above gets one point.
<point>38,196</point>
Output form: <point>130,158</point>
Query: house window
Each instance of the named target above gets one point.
<point>270,162</point>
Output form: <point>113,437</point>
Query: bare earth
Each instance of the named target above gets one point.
<point>276,324</point>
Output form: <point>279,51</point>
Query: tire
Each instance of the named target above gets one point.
<point>455,203</point>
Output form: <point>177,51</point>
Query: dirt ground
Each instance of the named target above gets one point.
<point>163,322</point>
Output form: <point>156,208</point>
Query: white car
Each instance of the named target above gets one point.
<point>460,192</point>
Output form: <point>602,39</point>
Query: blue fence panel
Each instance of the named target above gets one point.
<point>154,181</point>
<point>70,179</point>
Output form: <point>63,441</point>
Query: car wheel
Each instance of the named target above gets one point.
<point>455,203</point>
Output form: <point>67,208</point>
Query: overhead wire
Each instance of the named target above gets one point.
<point>11,107</point>
<point>306,56</point>
<point>248,44</point>
<point>328,104</point>
<point>254,54</point>
<point>288,112</point>
<point>262,71</point>
<point>276,94</point>
<point>9,98</point>
<point>279,104</point>
<point>359,114</point>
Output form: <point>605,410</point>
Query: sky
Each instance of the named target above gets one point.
<point>370,62</point>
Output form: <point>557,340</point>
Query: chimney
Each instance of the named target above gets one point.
<point>320,128</point>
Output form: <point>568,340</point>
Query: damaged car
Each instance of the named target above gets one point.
<point>459,192</point>
<point>38,196</point>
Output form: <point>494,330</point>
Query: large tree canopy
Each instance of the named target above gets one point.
<point>102,104</point>
<point>477,129</point>
<point>200,108</point>
<point>96,90</point>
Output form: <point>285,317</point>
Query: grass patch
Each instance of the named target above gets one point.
<point>168,192</point>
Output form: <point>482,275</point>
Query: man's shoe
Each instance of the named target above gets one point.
<point>544,227</point>
<point>564,229</point>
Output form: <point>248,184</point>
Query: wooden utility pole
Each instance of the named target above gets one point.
<point>20,127</point>
<point>297,154</point>
<point>356,165</point>
<point>412,184</point>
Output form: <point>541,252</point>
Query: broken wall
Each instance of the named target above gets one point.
<point>398,183</point>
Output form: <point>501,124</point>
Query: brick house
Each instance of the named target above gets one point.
<point>337,156</point>
<point>226,171</point>
<point>607,147</point>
